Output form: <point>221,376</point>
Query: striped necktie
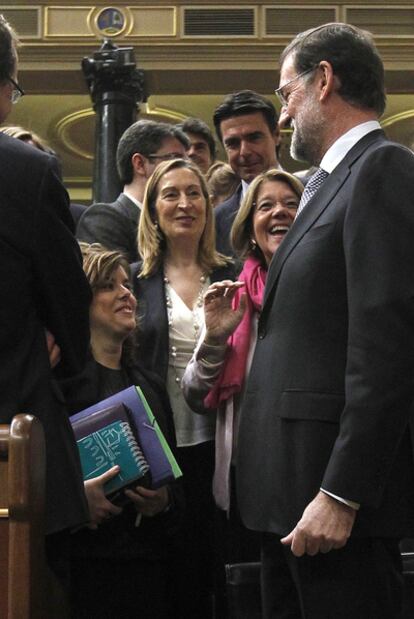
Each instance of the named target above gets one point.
<point>312,186</point>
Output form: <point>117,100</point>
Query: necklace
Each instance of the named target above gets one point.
<point>197,322</point>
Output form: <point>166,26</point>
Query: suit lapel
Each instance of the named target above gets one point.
<point>315,207</point>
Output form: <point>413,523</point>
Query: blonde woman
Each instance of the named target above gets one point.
<point>177,243</point>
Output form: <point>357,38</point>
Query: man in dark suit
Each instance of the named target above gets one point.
<point>325,461</point>
<point>142,147</point>
<point>44,288</point>
<point>246,125</point>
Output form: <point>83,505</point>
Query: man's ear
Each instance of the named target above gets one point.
<point>328,82</point>
<point>138,164</point>
<point>277,137</point>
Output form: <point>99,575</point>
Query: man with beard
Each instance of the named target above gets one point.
<point>325,467</point>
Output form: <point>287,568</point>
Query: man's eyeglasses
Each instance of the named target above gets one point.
<point>167,156</point>
<point>279,91</point>
<point>17,92</point>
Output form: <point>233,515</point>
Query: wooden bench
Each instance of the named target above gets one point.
<point>22,488</point>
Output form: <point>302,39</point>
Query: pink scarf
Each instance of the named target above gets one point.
<point>232,375</point>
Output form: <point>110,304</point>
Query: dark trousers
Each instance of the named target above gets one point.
<point>363,580</point>
<point>235,544</point>
<point>192,551</point>
<point>113,588</point>
<point>240,544</point>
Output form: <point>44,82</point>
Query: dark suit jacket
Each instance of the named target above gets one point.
<point>77,210</point>
<point>331,386</point>
<point>225,214</point>
<point>153,319</point>
<point>113,225</point>
<point>43,286</point>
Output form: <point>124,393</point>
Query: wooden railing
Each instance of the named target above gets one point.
<point>22,488</point>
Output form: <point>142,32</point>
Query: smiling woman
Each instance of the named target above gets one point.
<point>118,568</point>
<point>216,374</point>
<point>177,242</point>
<point>112,312</point>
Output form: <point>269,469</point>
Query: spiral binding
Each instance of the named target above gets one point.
<point>135,449</point>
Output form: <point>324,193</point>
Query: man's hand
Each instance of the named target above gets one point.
<point>220,318</point>
<point>53,349</point>
<point>100,509</point>
<point>149,502</point>
<point>326,524</point>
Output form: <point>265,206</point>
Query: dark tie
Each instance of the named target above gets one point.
<point>311,188</point>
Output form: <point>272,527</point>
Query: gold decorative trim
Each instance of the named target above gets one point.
<point>78,181</point>
<point>132,10</point>
<point>4,513</point>
<point>165,112</point>
<point>63,126</point>
<point>66,35</point>
<point>62,133</point>
<point>24,7</point>
<point>397,118</point>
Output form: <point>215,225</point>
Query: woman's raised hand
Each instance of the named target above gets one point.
<point>220,318</point>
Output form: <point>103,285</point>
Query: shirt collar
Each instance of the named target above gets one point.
<point>134,200</point>
<point>245,186</point>
<point>343,145</point>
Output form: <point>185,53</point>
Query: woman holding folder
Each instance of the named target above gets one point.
<point>118,565</point>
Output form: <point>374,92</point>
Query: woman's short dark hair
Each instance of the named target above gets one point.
<point>99,264</point>
<point>353,57</point>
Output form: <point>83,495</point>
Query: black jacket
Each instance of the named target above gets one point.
<point>43,287</point>
<point>113,225</point>
<point>153,320</point>
<point>331,387</point>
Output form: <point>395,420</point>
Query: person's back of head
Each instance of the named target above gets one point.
<point>242,103</point>
<point>222,182</point>
<point>8,43</point>
<point>28,136</point>
<point>8,67</point>
<point>144,137</point>
<point>354,59</point>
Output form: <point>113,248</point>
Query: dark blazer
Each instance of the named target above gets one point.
<point>225,214</point>
<point>153,319</point>
<point>43,286</point>
<point>77,210</point>
<point>330,392</point>
<point>113,225</point>
<point>120,537</point>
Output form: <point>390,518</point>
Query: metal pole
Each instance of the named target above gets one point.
<point>116,87</point>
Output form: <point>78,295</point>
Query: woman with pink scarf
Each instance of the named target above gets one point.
<point>216,375</point>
